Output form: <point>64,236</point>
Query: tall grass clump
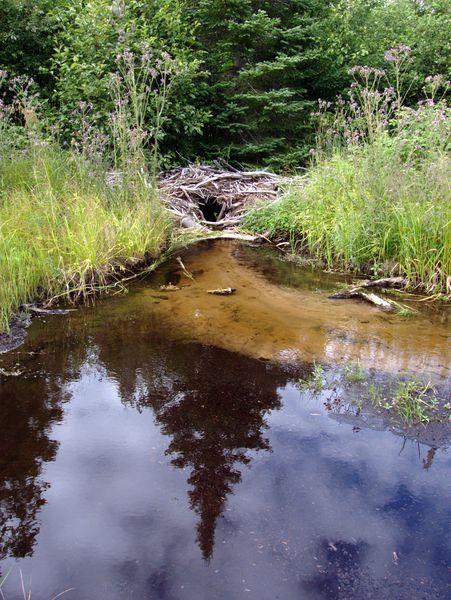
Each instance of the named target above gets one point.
<point>377,197</point>
<point>69,228</point>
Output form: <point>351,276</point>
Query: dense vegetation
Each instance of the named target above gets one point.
<point>252,69</point>
<point>376,198</point>
<point>129,86</point>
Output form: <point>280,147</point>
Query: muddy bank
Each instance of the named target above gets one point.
<point>17,334</point>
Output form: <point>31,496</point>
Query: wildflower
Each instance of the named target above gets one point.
<point>436,80</point>
<point>399,53</point>
<point>118,9</point>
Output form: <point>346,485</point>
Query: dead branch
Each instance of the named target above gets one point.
<point>191,193</point>
<point>368,297</point>
<point>387,282</point>
<point>37,310</point>
<point>184,269</point>
<point>222,292</point>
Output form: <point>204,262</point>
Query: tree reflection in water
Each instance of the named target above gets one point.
<point>29,407</point>
<point>213,405</point>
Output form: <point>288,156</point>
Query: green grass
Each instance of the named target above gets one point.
<point>354,373</point>
<point>64,232</point>
<point>369,211</point>
<point>412,403</point>
<point>315,382</point>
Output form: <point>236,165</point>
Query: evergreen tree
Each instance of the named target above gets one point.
<point>260,57</point>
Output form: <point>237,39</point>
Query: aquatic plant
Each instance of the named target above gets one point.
<point>354,373</point>
<point>412,403</point>
<point>315,382</point>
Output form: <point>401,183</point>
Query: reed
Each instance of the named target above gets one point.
<point>64,232</point>
<point>377,197</point>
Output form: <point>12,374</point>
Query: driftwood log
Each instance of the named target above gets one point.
<point>209,197</point>
<point>387,282</point>
<point>222,292</point>
<point>362,295</point>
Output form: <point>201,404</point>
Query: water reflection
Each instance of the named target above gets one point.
<point>29,408</point>
<point>283,501</point>
<point>214,418</point>
<point>202,400</point>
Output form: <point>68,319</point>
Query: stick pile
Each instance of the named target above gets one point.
<point>190,192</point>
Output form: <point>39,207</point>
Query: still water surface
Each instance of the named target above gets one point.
<point>151,451</point>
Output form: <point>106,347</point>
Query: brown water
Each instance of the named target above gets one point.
<point>282,313</point>
<point>148,452</point>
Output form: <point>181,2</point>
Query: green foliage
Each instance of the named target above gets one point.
<point>64,231</point>
<point>377,200</point>
<point>64,234</point>
<point>252,69</point>
<point>358,32</point>
<point>84,61</point>
<point>26,39</point>
<point>354,373</point>
<point>413,402</point>
<point>255,53</point>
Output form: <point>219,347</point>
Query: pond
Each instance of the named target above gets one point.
<point>159,445</point>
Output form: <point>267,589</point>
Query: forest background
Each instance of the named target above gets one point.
<point>252,70</point>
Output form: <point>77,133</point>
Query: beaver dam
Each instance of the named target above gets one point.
<point>204,197</point>
<point>170,441</point>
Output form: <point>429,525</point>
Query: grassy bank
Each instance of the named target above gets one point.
<point>357,215</point>
<point>64,232</point>
<point>377,198</point>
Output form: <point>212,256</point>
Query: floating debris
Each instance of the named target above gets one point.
<point>13,373</point>
<point>222,292</point>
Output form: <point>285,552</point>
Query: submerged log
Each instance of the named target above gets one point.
<point>378,301</point>
<point>368,297</point>
<point>222,292</point>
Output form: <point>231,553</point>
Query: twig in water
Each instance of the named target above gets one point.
<point>184,269</point>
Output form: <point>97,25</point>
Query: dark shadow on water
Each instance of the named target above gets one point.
<point>214,418</point>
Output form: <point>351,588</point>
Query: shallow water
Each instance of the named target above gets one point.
<point>148,451</point>
<point>281,312</point>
